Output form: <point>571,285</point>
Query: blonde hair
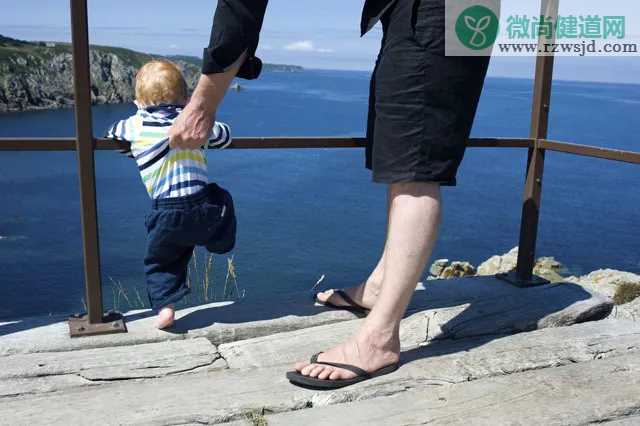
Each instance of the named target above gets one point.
<point>160,82</point>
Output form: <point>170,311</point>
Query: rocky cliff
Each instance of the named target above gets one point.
<point>39,75</point>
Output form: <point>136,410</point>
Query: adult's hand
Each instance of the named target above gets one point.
<point>193,126</point>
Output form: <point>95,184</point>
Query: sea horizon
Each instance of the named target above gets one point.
<point>589,213</point>
<point>242,82</point>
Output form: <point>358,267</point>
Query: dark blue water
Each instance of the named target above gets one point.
<point>304,213</point>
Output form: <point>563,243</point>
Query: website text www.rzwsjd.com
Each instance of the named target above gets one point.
<point>584,48</point>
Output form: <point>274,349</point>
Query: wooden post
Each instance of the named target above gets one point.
<point>94,322</point>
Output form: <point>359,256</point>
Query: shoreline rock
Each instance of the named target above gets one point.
<point>546,267</point>
<point>444,269</point>
<point>622,287</point>
<point>606,281</point>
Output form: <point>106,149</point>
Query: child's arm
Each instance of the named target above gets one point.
<point>122,131</point>
<point>220,137</point>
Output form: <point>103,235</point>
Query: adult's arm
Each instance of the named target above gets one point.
<point>231,51</point>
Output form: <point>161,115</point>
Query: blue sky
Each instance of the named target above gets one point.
<point>315,34</point>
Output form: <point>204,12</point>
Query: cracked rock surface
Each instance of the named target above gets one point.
<point>475,351</point>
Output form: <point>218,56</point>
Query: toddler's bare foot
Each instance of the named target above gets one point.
<point>166,316</point>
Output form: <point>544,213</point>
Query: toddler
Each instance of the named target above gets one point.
<point>186,210</point>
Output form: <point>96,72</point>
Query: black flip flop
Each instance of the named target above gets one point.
<point>352,307</point>
<point>326,384</point>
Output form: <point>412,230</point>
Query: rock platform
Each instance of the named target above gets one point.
<point>475,351</point>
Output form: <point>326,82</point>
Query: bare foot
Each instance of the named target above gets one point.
<point>364,295</point>
<point>369,350</point>
<point>166,316</point>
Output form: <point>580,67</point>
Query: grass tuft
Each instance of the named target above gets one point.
<point>626,292</point>
<point>257,418</point>
<point>200,279</point>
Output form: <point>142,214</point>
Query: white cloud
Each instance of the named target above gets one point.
<point>174,46</point>
<point>306,46</point>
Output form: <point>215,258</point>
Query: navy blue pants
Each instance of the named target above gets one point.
<point>174,227</point>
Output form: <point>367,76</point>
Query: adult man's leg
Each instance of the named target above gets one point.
<point>414,218</point>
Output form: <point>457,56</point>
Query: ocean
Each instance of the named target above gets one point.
<point>307,213</point>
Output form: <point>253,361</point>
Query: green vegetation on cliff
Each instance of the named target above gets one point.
<point>39,75</point>
<point>194,60</point>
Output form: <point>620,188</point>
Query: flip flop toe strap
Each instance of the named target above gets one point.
<point>348,299</point>
<point>351,304</point>
<point>355,370</point>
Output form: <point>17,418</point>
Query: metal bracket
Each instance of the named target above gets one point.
<point>80,326</point>
<point>512,278</point>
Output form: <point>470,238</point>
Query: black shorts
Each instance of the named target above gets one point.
<point>422,103</point>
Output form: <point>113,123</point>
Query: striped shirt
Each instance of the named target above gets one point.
<point>166,172</point>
